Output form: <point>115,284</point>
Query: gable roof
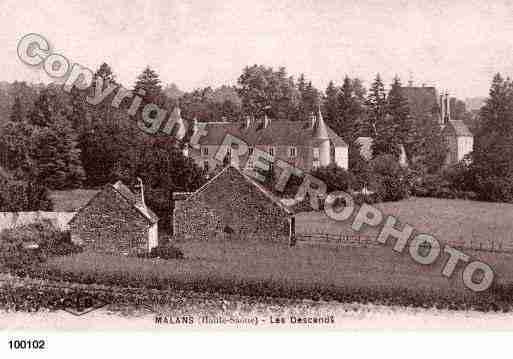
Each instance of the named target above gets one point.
<point>234,170</point>
<point>128,196</point>
<point>133,200</point>
<point>279,132</point>
<point>459,128</point>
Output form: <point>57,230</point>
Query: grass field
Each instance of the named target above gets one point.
<point>224,264</point>
<point>268,268</point>
<point>448,220</point>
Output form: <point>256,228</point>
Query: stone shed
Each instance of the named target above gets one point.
<point>115,221</point>
<point>231,205</point>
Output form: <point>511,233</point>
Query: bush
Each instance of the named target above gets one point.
<point>165,251</point>
<point>495,189</point>
<point>392,182</point>
<point>432,185</point>
<point>460,176</point>
<point>32,243</point>
<point>336,178</point>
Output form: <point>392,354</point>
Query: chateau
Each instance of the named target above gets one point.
<point>303,144</point>
<point>310,144</point>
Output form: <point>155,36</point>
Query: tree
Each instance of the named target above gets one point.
<point>399,111</point>
<point>149,82</point>
<point>380,123</point>
<point>264,91</point>
<point>105,73</point>
<point>55,155</point>
<point>15,143</point>
<point>376,105</point>
<point>493,150</point>
<point>16,111</point>
<point>331,104</point>
<point>164,170</point>
<point>41,113</point>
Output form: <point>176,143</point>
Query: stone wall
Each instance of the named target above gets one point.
<point>109,224</point>
<point>230,206</point>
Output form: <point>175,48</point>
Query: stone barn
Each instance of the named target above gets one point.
<point>115,221</point>
<point>231,205</point>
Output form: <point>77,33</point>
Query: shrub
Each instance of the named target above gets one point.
<point>495,189</point>
<point>336,178</point>
<point>460,176</point>
<point>33,243</point>
<point>432,185</point>
<point>166,251</point>
<point>391,180</point>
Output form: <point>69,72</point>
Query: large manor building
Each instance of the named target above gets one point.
<point>310,144</point>
<point>303,144</point>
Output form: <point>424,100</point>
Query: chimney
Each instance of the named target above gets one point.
<point>194,125</point>
<point>141,192</point>
<point>312,120</point>
<point>267,121</point>
<point>448,106</point>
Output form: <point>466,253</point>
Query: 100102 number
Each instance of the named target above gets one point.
<point>26,344</point>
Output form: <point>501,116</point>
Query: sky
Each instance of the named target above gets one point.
<point>455,45</point>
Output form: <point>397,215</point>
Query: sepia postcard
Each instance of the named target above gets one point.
<point>255,165</point>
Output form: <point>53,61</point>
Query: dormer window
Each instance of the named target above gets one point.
<point>292,152</point>
<point>272,151</point>
<point>204,151</point>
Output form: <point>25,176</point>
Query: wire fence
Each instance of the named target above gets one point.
<point>344,239</point>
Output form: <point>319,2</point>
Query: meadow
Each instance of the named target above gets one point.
<point>370,272</point>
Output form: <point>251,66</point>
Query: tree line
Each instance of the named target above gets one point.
<point>56,139</point>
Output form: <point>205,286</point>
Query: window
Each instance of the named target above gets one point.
<point>292,152</point>
<point>315,164</point>
<point>250,150</point>
<point>316,153</point>
<point>206,166</point>
<point>204,151</point>
<point>272,151</point>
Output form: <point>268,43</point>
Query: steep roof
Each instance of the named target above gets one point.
<point>459,128</point>
<point>133,199</point>
<point>279,132</point>
<point>231,170</point>
<point>320,130</point>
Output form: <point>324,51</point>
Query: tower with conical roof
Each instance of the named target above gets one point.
<point>321,138</point>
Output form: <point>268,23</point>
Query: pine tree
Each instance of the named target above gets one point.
<point>379,122</point>
<point>331,105</point>
<point>105,72</point>
<point>396,129</point>
<point>376,105</point>
<point>493,154</point>
<point>41,114</point>
<point>16,111</point>
<point>149,81</point>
